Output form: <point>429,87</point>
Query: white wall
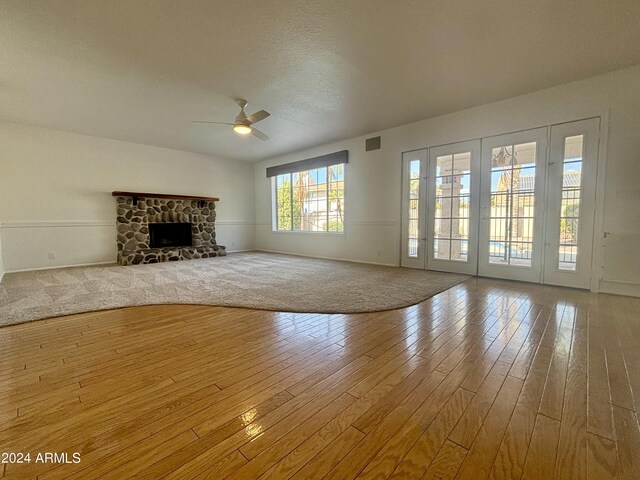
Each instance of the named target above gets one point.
<point>55,193</point>
<point>372,206</point>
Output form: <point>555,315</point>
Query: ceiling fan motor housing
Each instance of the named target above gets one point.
<point>241,118</point>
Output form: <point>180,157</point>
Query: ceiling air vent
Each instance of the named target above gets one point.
<point>372,143</point>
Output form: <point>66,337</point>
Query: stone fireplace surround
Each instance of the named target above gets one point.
<point>132,227</point>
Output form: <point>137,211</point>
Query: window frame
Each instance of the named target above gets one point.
<point>274,205</point>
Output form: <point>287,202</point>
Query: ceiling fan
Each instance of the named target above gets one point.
<point>243,124</point>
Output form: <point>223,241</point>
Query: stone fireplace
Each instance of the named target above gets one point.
<point>153,228</point>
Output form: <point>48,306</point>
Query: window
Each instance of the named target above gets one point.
<point>310,200</point>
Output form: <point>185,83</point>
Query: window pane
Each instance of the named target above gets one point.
<point>299,183</point>
<point>463,184</point>
<point>572,175</point>
<point>310,203</point>
<point>442,228</point>
<point>440,185</point>
<point>502,157</point>
<point>414,169</point>
<point>441,249</point>
<point>413,247</point>
<point>570,203</point>
<point>283,202</point>
<point>335,201</point>
<point>443,207</point>
<point>444,165</point>
<point>413,208</point>
<point>336,207</point>
<point>460,228</point>
<point>459,250</point>
<point>414,188</point>
<point>448,186</point>
<point>413,234</point>
<point>460,206</point>
<point>525,155</point>
<point>567,256</point>
<point>500,180</point>
<point>573,148</point>
<point>521,254</point>
<point>510,253</point>
<point>462,163</point>
<point>523,180</point>
<point>311,200</point>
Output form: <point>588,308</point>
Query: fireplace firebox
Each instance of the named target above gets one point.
<point>162,235</point>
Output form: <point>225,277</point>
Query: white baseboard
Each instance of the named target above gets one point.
<point>62,266</point>
<point>326,258</point>
<point>228,251</point>
<point>91,264</point>
<point>619,288</point>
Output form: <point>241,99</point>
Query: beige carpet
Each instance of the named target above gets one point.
<point>252,279</point>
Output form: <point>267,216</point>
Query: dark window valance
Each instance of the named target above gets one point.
<point>335,158</point>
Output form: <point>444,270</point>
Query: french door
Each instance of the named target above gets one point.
<point>440,204</point>
<point>571,200</point>
<point>511,205</point>
<point>516,206</point>
<point>414,207</point>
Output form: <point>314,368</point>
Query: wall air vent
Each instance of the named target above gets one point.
<point>372,143</point>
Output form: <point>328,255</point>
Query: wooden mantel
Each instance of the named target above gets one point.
<point>164,195</point>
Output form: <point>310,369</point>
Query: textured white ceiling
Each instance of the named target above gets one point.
<point>141,70</point>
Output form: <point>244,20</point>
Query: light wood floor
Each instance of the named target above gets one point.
<point>489,379</point>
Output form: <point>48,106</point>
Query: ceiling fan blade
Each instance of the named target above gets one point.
<point>256,117</point>
<point>257,133</point>
<point>216,123</point>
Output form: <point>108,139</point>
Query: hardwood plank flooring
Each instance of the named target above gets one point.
<point>489,379</point>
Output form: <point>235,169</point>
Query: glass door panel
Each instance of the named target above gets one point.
<point>571,203</point>
<point>413,208</point>
<point>453,205</point>
<point>570,196</point>
<point>513,170</point>
<point>511,215</point>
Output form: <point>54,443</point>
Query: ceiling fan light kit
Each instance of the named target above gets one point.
<point>242,129</point>
<point>243,124</point>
